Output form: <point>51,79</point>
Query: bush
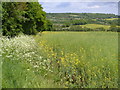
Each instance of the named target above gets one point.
<point>114,28</point>
<point>100,29</point>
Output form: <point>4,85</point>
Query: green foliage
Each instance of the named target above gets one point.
<point>25,17</point>
<point>49,26</point>
<point>100,29</point>
<point>114,28</point>
<point>81,15</point>
<point>11,20</point>
<point>79,22</point>
<point>76,28</point>
<point>69,21</point>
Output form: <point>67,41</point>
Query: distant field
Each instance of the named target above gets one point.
<point>94,26</point>
<point>108,19</point>
<point>112,19</point>
<point>82,59</point>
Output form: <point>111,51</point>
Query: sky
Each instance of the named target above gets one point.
<point>80,7</point>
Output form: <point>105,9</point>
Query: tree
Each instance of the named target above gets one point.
<point>25,17</point>
<point>11,20</point>
<point>49,26</point>
<point>0,18</point>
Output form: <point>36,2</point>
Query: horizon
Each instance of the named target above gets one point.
<point>82,13</point>
<point>81,7</point>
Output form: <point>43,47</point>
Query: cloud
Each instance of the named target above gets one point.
<point>80,7</point>
<point>95,6</point>
<point>63,5</point>
<point>78,0</point>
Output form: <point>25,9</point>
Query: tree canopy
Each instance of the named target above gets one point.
<point>25,17</point>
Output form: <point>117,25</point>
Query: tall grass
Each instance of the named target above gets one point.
<point>60,59</point>
<point>22,64</point>
<point>0,64</point>
<point>82,59</point>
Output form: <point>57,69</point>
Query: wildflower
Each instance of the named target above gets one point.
<point>40,57</point>
<point>62,52</point>
<point>9,56</point>
<point>28,69</point>
<point>36,66</point>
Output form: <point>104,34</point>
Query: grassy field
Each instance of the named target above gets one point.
<point>84,59</point>
<point>94,26</point>
<point>112,19</point>
<point>60,59</point>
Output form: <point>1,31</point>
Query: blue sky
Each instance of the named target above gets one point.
<point>80,7</point>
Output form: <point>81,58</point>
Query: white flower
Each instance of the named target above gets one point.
<point>28,69</point>
<point>40,57</point>
<point>36,66</point>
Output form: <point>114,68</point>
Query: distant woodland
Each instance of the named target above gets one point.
<point>75,21</point>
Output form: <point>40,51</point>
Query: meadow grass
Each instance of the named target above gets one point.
<point>94,26</point>
<point>22,64</point>
<point>82,59</point>
<point>60,59</point>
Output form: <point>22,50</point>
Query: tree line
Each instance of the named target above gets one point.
<point>81,15</point>
<point>73,21</point>
<point>23,17</point>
